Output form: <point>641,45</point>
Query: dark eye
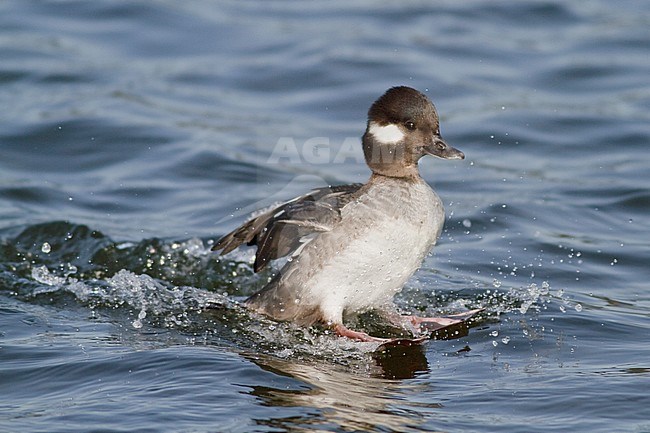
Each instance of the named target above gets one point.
<point>410,126</point>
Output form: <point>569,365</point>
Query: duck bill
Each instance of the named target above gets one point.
<point>442,150</point>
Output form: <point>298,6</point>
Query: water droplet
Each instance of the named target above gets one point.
<point>578,307</point>
<point>505,340</point>
<point>467,223</point>
<point>46,248</point>
<point>494,333</point>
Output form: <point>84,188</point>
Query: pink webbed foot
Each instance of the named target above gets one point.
<point>437,323</point>
<point>420,326</point>
<point>343,331</point>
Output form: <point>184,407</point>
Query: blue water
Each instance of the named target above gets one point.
<point>134,133</point>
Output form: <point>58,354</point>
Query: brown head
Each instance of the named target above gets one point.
<point>403,126</point>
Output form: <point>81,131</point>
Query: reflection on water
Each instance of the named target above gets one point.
<point>362,396</point>
<point>400,362</point>
<point>336,396</point>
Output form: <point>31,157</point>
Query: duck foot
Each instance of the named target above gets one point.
<point>437,323</point>
<point>344,331</point>
<point>421,325</point>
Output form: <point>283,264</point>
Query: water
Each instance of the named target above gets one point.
<point>134,133</point>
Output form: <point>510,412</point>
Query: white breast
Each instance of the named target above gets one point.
<point>380,243</point>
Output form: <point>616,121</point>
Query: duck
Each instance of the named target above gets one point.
<point>351,248</point>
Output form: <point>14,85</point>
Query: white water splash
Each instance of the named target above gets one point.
<point>43,275</point>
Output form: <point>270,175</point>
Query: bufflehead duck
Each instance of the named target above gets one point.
<point>353,247</point>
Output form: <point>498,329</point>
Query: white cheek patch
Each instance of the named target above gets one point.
<point>389,134</point>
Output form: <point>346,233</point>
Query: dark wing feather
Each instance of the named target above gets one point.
<point>282,230</point>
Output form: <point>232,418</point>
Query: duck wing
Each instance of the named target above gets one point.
<point>285,228</point>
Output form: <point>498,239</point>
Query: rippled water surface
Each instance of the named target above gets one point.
<point>133,133</point>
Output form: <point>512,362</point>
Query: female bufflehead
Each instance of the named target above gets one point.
<point>354,246</point>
